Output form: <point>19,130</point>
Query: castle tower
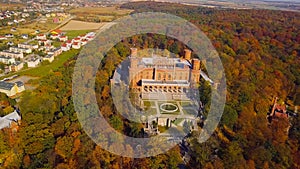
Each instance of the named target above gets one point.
<point>134,52</point>
<point>187,54</point>
<point>196,64</point>
<point>195,72</point>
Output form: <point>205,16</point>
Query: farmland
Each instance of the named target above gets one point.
<point>80,25</point>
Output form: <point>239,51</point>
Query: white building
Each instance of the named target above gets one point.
<point>7,60</point>
<point>29,46</point>
<point>49,58</point>
<point>8,120</point>
<point>33,62</point>
<point>11,89</point>
<point>76,45</point>
<point>20,50</point>
<point>16,66</point>
<point>12,54</point>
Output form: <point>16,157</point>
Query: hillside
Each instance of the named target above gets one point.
<point>260,51</point>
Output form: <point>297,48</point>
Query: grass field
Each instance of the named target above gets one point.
<point>6,6</point>
<point>80,25</point>
<point>75,33</point>
<point>43,70</point>
<point>100,11</point>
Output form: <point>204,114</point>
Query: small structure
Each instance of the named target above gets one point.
<point>44,42</point>
<point>65,47</point>
<point>63,38</point>
<point>3,38</point>
<point>84,42</point>
<point>56,32</point>
<point>76,45</point>
<point>277,111</point>
<point>11,120</point>
<point>41,37</point>
<point>11,89</point>
<point>54,36</point>
<point>24,36</point>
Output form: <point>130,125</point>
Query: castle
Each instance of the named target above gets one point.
<point>163,77</point>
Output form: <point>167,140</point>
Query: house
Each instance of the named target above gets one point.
<point>8,53</point>
<point>69,43</point>
<point>13,29</point>
<point>84,42</point>
<point>45,42</point>
<point>77,40</point>
<point>20,50</point>
<point>3,38</point>
<point>54,36</point>
<point>29,46</point>
<point>63,38</point>
<point>10,43</point>
<point>89,38</point>
<point>11,89</point>
<point>24,36</point>
<point>11,120</point>
<point>9,35</point>
<point>76,45</point>
<point>65,47</point>
<point>49,58</point>
<point>33,62</point>
<point>55,52</point>
<point>7,60</point>
<point>41,37</point>
<point>16,66</point>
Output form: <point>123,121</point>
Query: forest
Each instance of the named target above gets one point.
<point>260,51</point>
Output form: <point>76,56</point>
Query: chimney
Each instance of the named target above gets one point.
<point>196,64</point>
<point>187,54</point>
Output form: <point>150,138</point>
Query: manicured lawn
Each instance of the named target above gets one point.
<point>151,111</point>
<point>74,33</point>
<point>190,112</point>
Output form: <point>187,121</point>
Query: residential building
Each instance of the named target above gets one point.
<point>16,66</point>
<point>11,120</point>
<point>76,45</point>
<point>41,37</point>
<point>11,89</point>
<point>20,50</point>
<point>7,60</point>
<point>29,46</point>
<point>49,58</point>
<point>65,47</point>
<point>54,36</point>
<point>33,62</point>
<point>55,52</point>
<point>8,53</point>
<point>63,38</point>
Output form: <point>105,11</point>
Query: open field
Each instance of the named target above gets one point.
<point>80,25</point>
<point>100,11</point>
<point>5,6</point>
<point>74,33</point>
<point>44,70</point>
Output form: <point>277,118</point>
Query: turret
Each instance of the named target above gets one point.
<point>187,54</point>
